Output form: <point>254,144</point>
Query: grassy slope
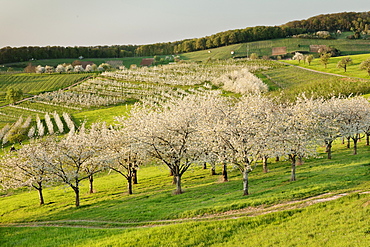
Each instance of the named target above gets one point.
<point>264,48</point>
<point>325,224</point>
<point>335,223</point>
<point>341,223</point>
<point>353,70</point>
<point>37,83</point>
<point>101,115</point>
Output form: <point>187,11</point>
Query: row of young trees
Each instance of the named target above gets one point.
<point>27,129</point>
<point>67,68</point>
<point>192,130</point>
<point>324,59</point>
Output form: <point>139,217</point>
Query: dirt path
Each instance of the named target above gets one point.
<point>233,214</point>
<point>321,72</point>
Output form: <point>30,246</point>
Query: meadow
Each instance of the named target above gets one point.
<point>32,84</point>
<point>353,69</point>
<point>264,48</point>
<point>327,206</point>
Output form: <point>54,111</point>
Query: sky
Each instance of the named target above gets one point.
<point>136,22</point>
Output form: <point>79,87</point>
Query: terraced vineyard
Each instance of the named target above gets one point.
<point>37,83</point>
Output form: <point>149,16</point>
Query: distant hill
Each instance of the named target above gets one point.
<point>356,22</point>
<point>346,21</point>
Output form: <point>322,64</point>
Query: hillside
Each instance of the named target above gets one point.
<point>327,206</point>
<point>264,48</point>
<point>355,22</point>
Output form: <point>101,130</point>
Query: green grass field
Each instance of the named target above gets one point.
<point>280,211</point>
<point>37,83</point>
<point>102,115</point>
<point>353,70</point>
<point>264,48</point>
<point>327,206</point>
<point>291,81</point>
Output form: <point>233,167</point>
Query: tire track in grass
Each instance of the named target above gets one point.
<point>232,214</point>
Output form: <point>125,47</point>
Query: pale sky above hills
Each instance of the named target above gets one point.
<point>111,22</point>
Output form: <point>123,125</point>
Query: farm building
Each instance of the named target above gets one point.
<point>147,61</point>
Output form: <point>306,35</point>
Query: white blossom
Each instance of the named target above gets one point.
<point>49,124</point>
<point>40,127</point>
<point>58,122</point>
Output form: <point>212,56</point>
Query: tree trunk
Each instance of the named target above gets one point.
<point>367,139</point>
<point>129,185</point>
<point>348,142</point>
<point>91,180</point>
<point>355,146</point>
<point>77,196</point>
<point>204,165</point>
<point>245,182</point>
<point>264,165</point>
<point>41,196</point>
<point>277,158</point>
<point>173,176</point>
<point>213,170</point>
<point>293,159</point>
<point>224,172</point>
<point>178,185</point>
<point>134,174</point>
<point>328,149</point>
<point>300,162</point>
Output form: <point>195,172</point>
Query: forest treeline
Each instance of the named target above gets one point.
<point>24,54</point>
<point>347,21</point>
